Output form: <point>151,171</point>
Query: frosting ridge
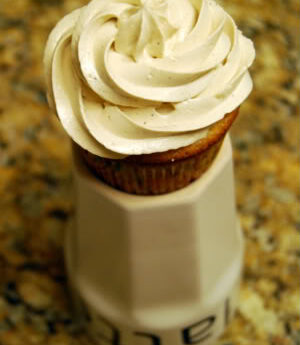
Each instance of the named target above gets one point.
<point>130,77</point>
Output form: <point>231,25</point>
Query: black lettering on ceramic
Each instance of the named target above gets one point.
<point>155,340</point>
<point>108,334</point>
<point>198,332</point>
<point>114,334</point>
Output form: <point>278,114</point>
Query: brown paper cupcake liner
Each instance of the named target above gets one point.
<point>164,172</point>
<point>151,179</point>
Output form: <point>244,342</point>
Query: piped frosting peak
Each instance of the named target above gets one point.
<point>129,77</point>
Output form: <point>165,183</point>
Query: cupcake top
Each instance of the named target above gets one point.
<point>131,77</point>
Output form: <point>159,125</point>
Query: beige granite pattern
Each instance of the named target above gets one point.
<point>35,183</point>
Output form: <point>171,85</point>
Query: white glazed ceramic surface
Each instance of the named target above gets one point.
<point>161,270</point>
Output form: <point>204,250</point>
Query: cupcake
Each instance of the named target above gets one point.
<point>147,89</point>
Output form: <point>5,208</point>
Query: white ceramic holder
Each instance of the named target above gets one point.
<point>156,270</point>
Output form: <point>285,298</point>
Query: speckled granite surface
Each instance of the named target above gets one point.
<point>35,182</point>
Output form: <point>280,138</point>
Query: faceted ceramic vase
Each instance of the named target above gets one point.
<point>161,270</point>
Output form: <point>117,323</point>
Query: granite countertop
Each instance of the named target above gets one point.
<point>35,180</point>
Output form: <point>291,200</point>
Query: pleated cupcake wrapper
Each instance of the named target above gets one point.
<point>152,179</point>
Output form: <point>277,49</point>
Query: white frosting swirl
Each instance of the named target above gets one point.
<point>131,77</point>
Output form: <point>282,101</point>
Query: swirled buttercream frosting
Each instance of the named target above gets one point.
<point>130,77</point>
